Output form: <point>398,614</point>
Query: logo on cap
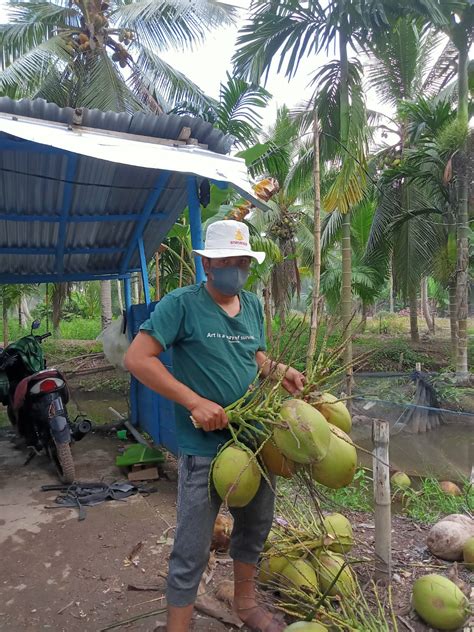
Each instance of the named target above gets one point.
<point>238,235</point>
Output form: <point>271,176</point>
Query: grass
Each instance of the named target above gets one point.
<point>429,503</point>
<point>75,329</point>
<point>425,505</point>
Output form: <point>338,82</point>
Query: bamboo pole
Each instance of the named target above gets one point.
<point>382,500</point>
<point>317,246</point>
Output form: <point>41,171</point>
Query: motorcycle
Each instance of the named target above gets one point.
<point>36,399</point>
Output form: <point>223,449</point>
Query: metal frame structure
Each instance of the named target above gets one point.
<point>94,203</point>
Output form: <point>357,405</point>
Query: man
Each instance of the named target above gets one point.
<point>217,334</point>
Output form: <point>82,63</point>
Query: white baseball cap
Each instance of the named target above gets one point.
<point>228,238</point>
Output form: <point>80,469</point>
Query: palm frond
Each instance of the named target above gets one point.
<point>165,24</point>
<point>25,74</point>
<point>291,29</point>
<point>103,86</point>
<point>152,77</point>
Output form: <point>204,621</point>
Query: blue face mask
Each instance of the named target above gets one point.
<point>230,280</point>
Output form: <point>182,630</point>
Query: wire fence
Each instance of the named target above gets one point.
<point>431,422</point>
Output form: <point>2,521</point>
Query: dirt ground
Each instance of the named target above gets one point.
<point>64,575</point>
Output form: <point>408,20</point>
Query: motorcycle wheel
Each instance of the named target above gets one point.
<point>11,415</point>
<point>64,462</point>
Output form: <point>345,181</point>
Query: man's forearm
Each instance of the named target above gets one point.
<point>267,365</point>
<point>152,373</point>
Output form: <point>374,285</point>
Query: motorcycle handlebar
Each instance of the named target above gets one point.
<point>43,337</point>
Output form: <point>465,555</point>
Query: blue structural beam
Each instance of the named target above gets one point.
<point>20,250</point>
<point>76,218</point>
<point>73,159</point>
<point>150,204</point>
<point>144,271</point>
<point>52,277</point>
<point>195,224</point>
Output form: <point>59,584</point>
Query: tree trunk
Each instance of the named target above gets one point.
<point>453,321</point>
<point>136,287</point>
<point>106,303</point>
<point>426,306</point>
<point>25,310</point>
<point>392,287</point>
<point>346,298</point>
<point>59,295</point>
<point>462,266</point>
<point>267,306</point>
<point>363,320</point>
<point>5,322</point>
<point>413,302</point>
<point>317,247</point>
<point>119,295</point>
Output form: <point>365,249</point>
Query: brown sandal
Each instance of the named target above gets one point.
<point>255,616</point>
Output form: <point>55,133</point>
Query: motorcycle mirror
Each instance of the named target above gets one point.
<point>35,324</point>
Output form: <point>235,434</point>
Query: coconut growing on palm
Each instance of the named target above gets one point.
<point>338,527</point>
<point>338,467</point>
<point>334,411</point>
<point>439,602</point>
<point>303,435</point>
<point>328,565</point>
<point>274,460</point>
<point>236,476</point>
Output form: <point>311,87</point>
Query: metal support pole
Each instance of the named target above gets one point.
<point>382,499</point>
<point>195,225</point>
<point>144,271</point>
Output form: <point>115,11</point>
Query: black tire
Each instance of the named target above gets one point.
<point>11,415</point>
<point>65,462</point>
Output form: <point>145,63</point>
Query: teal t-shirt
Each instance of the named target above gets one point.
<point>213,354</point>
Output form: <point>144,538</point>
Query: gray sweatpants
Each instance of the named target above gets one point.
<point>196,514</point>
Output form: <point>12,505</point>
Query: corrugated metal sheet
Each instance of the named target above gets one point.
<point>35,182</point>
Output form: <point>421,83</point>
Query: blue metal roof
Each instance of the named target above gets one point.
<point>67,216</point>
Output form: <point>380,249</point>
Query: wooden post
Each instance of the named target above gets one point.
<point>382,500</point>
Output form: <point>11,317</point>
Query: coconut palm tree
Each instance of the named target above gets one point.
<point>400,67</point>
<point>104,54</point>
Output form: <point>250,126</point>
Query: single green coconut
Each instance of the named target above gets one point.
<point>338,467</point>
<point>468,553</point>
<point>334,411</point>
<point>271,567</point>
<point>304,435</point>
<point>236,476</point>
<point>339,527</point>
<point>439,602</point>
<point>272,537</point>
<point>328,565</point>
<point>300,574</point>
<point>400,480</point>
<point>306,626</point>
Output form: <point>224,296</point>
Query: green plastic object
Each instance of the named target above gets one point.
<point>137,454</point>
<point>122,434</point>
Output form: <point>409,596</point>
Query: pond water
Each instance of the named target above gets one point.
<point>446,452</point>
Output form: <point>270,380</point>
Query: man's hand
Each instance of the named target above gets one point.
<point>293,381</point>
<point>208,415</point>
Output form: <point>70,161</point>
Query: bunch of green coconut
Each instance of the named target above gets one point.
<point>281,438</point>
<point>308,439</point>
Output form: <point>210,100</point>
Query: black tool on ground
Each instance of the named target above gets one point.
<point>88,494</point>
